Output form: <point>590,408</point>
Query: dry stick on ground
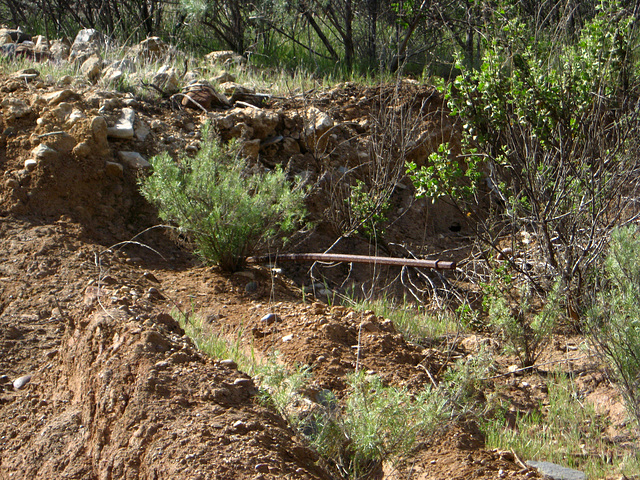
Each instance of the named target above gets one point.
<point>535,367</point>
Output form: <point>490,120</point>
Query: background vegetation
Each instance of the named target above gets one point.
<point>323,35</point>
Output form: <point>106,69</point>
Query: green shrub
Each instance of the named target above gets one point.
<point>614,322</point>
<point>378,423</point>
<point>525,326</point>
<point>227,211</point>
<point>551,127</point>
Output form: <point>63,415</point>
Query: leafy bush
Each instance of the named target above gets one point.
<point>552,126</point>
<point>614,321</point>
<point>212,197</point>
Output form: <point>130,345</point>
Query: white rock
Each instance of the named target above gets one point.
<point>21,382</point>
<point>42,152</point>
<point>124,126</point>
<point>30,165</point>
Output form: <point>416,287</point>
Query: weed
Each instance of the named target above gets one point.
<point>416,324</point>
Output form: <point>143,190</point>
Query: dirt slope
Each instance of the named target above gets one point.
<point>115,388</point>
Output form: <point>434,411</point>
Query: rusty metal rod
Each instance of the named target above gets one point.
<point>337,257</point>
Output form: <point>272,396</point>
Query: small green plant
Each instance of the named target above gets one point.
<point>614,321</point>
<point>212,197</point>
<point>368,209</point>
<point>282,385</point>
<point>378,423</point>
<point>445,176</point>
<point>524,325</point>
<point>215,345</point>
<point>415,323</point>
<point>464,382</point>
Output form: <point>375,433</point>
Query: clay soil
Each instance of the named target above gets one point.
<point>88,310</point>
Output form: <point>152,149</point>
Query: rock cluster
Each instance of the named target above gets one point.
<point>330,141</point>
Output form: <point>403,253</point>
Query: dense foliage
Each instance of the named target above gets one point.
<point>550,126</point>
<point>346,35</point>
<point>228,212</point>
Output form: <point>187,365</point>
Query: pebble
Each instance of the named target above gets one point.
<point>270,318</point>
<point>21,382</point>
<point>251,287</point>
<point>243,382</point>
<point>239,425</point>
<point>262,468</point>
<point>151,277</point>
<point>229,363</point>
<point>287,338</point>
<point>4,379</point>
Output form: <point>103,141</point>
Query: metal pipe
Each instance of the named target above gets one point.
<point>337,257</point>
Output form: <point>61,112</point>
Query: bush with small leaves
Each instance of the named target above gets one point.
<point>228,212</point>
<point>614,320</point>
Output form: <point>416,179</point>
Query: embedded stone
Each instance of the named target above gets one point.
<point>45,153</point>
<point>114,168</point>
<point>123,128</point>
<point>557,472</point>
<point>81,150</point>
<point>21,382</point>
<point>318,124</point>
<point>92,68</point>
<point>55,98</point>
<point>99,130</point>
<point>134,160</point>
<point>270,318</point>
<point>30,165</point>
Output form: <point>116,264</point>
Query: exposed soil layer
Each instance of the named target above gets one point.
<point>87,311</point>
